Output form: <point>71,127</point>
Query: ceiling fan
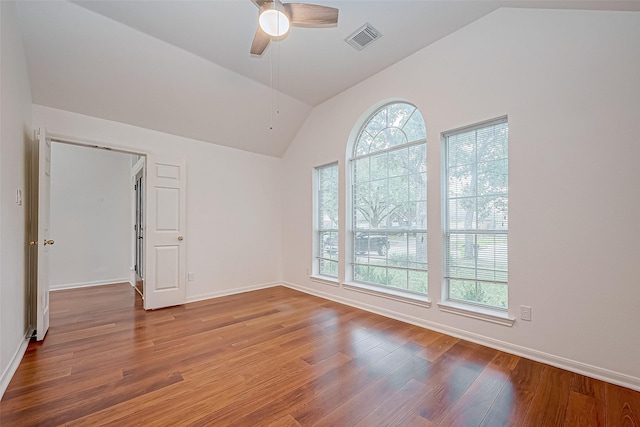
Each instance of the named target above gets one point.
<point>275,18</point>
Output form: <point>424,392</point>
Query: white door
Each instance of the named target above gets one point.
<point>43,242</point>
<point>165,245</point>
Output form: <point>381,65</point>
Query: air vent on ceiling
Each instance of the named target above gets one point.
<point>363,37</point>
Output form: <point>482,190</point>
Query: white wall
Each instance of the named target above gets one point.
<point>233,201</point>
<point>15,131</point>
<point>568,81</point>
<point>90,216</point>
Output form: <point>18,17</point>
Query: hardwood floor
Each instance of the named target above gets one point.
<point>282,358</point>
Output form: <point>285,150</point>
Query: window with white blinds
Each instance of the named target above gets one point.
<point>476,214</point>
<point>327,227</point>
<point>389,189</point>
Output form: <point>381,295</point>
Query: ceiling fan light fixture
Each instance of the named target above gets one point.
<point>273,19</point>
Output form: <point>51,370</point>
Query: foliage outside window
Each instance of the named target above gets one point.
<point>476,191</point>
<point>390,200</point>
<point>327,203</point>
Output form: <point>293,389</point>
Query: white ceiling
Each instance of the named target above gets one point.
<point>183,67</point>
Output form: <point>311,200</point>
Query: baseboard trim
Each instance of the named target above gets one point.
<point>8,373</point>
<point>88,284</point>
<point>226,292</point>
<point>613,377</point>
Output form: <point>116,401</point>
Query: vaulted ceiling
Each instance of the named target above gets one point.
<point>184,68</point>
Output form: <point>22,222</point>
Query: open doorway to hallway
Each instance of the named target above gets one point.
<point>94,212</point>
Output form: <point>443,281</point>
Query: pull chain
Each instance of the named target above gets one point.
<point>271,84</point>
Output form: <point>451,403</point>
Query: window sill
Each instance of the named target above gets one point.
<point>481,313</point>
<point>325,280</point>
<point>389,293</point>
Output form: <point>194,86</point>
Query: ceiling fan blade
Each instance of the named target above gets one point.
<point>312,15</point>
<point>260,42</point>
<point>259,3</point>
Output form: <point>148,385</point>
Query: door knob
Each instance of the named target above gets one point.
<point>48,242</point>
<point>180,238</point>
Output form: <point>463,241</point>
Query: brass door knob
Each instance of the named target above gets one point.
<point>180,238</point>
<point>48,242</point>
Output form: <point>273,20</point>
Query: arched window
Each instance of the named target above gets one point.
<point>389,205</point>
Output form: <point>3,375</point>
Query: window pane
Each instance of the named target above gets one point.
<point>361,169</point>
<point>329,244</point>
<point>492,213</point>
<point>364,143</point>
<point>397,278</point>
<point>399,190</point>
<point>417,161</point>
<point>418,281</point>
<point>387,138</point>
<point>378,275</point>
<point>493,294</point>
<point>379,167</point>
<point>377,122</point>
<point>397,163</point>
<point>399,114</point>
<point>361,273</point>
<point>329,268</point>
<point>492,142</point>
<point>460,181</point>
<point>415,129</point>
<point>462,213</point>
<point>463,290</point>
<point>492,177</point>
<point>416,218</point>
<point>418,186</point>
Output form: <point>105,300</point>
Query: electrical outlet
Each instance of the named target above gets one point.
<point>190,277</point>
<point>525,313</point>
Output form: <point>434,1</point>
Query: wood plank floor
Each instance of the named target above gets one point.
<point>282,358</point>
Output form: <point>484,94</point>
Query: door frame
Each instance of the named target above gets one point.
<point>138,169</point>
<point>64,139</point>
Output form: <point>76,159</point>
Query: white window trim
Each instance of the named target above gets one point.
<point>389,292</point>
<point>477,312</point>
<point>326,280</point>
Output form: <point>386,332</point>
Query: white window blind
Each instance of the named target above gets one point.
<point>327,226</point>
<point>476,214</point>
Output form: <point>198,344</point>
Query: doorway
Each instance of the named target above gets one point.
<point>92,216</point>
